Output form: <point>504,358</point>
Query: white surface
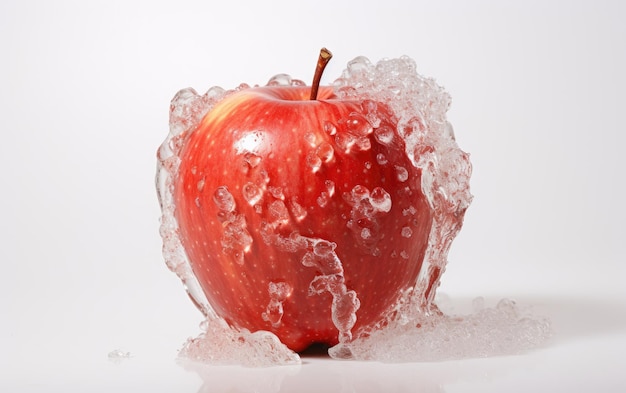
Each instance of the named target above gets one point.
<point>538,99</point>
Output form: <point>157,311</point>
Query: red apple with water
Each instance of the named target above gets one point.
<point>301,213</point>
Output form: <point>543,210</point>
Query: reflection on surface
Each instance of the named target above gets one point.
<point>319,375</point>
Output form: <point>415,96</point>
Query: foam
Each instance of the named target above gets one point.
<point>503,329</point>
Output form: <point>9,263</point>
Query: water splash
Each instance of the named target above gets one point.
<point>418,105</point>
<point>278,291</point>
<point>218,343</point>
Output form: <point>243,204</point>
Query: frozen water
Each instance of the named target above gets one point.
<point>298,212</point>
<point>314,161</point>
<point>278,291</point>
<point>414,328</point>
<point>278,211</point>
<point>222,344</point>
<point>219,343</point>
<point>384,135</point>
<point>252,193</point>
<point>402,173</point>
<point>503,329</point>
<point>380,200</point>
<point>325,152</point>
<point>224,200</point>
<point>117,355</point>
<point>381,159</point>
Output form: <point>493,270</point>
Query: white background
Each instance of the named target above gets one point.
<point>538,100</point>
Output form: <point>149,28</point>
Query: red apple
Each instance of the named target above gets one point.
<point>303,217</point>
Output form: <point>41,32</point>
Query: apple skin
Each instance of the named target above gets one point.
<point>265,174</point>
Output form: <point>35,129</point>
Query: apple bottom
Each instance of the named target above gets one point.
<point>276,292</point>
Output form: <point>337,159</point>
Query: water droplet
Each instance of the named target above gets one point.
<point>380,199</point>
<point>279,292</point>
<point>324,248</point>
<point>298,212</point>
<point>265,177</point>
<point>323,199</point>
<point>344,309</point>
<point>366,233</point>
<point>359,65</point>
<point>215,93</point>
<point>360,193</point>
<point>325,152</point>
<point>368,165</point>
<point>345,141</point>
<point>384,135</point>
<point>252,159</point>
<point>369,106</point>
<point>402,173</point>
<point>280,80</point>
<point>330,186</point>
<point>364,143</point>
<point>194,169</point>
<point>224,199</point>
<point>200,185</point>
<point>278,211</point>
<point>412,129</point>
<point>358,125</point>
<point>277,192</point>
<point>313,161</point>
<point>186,110</point>
<point>118,355</point>
<point>330,128</point>
<point>310,138</point>
<point>252,193</point>
<point>370,109</point>
<point>409,210</point>
<point>308,260</point>
<point>236,239</point>
<point>404,255</point>
<point>381,159</point>
<point>406,232</point>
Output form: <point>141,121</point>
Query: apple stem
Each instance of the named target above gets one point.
<point>322,60</point>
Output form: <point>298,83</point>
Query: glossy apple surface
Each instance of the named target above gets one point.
<point>300,217</point>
